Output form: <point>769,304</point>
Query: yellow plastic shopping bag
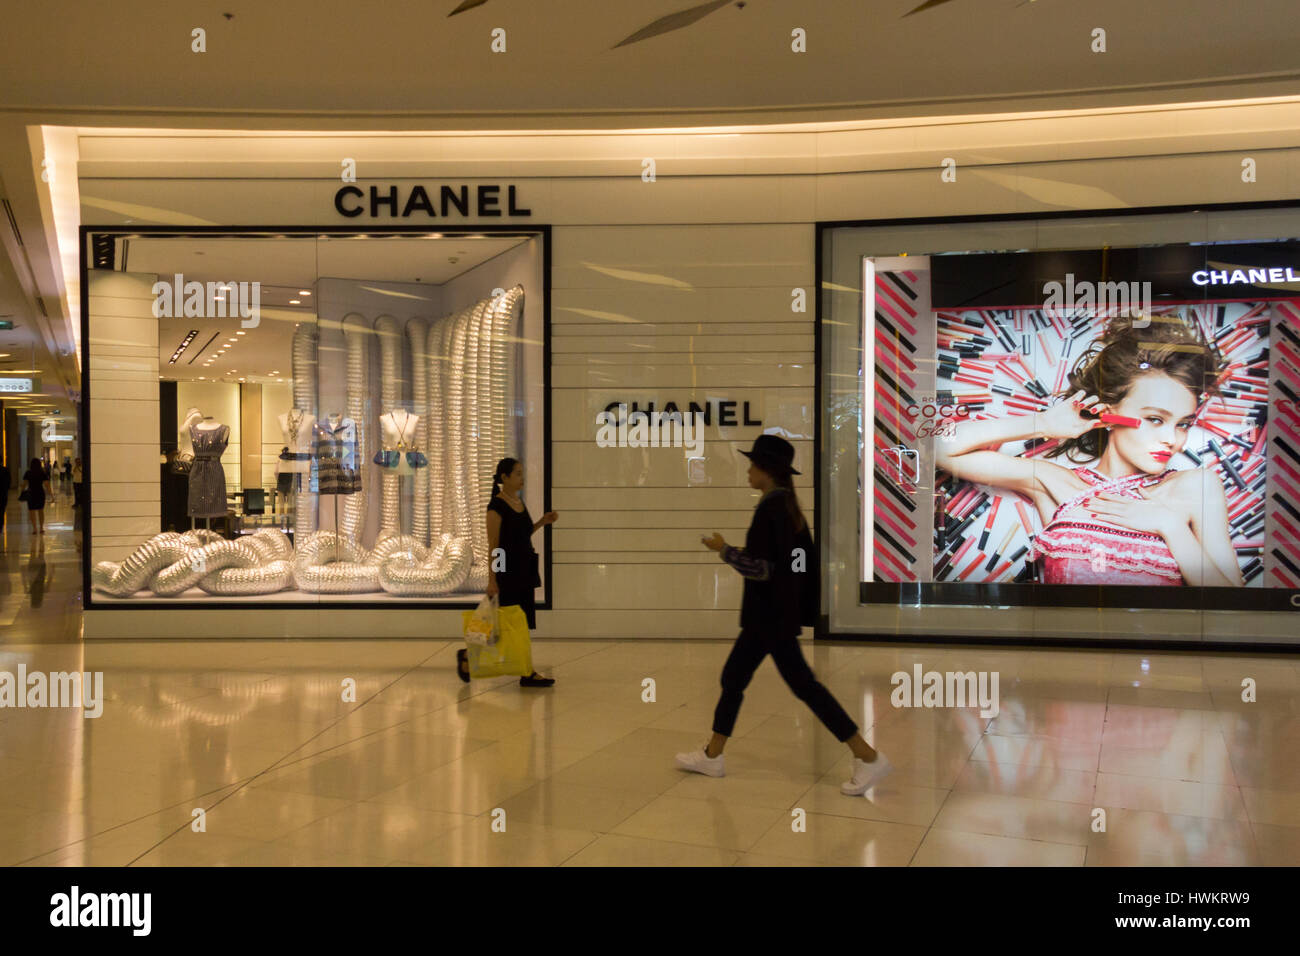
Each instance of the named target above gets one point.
<point>481,623</point>
<point>512,654</point>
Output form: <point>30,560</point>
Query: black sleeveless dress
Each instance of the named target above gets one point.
<point>520,579</point>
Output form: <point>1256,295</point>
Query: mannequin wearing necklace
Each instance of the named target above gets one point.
<point>335,448</point>
<point>400,454</point>
<point>297,427</point>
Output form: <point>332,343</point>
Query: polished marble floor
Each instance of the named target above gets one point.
<point>415,772</point>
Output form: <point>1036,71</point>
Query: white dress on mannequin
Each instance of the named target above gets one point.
<point>297,428</point>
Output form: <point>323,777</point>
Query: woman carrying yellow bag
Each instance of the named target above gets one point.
<point>510,528</point>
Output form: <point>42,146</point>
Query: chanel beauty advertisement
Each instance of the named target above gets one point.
<point>1116,426</point>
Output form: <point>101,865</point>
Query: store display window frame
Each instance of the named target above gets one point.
<point>841,562</point>
<point>539,232</point>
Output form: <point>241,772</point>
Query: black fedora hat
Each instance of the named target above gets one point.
<point>772,453</point>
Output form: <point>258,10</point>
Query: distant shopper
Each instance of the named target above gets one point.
<point>67,473</point>
<point>5,479</point>
<point>511,528</point>
<point>773,606</point>
<point>78,497</point>
<point>36,485</point>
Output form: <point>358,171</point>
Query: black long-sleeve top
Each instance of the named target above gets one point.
<point>774,595</point>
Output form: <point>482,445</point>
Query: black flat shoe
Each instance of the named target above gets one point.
<point>536,680</point>
<point>462,664</point>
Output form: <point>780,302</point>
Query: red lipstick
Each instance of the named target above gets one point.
<point>1162,456</point>
<point>1109,419</point>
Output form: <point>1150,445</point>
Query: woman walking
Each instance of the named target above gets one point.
<point>511,528</point>
<point>36,485</point>
<point>770,616</point>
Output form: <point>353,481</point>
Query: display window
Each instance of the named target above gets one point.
<point>287,417</point>
<point>1072,427</point>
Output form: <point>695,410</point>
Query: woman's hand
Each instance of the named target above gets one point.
<point>492,589</point>
<point>1143,515</point>
<point>714,542</point>
<point>1065,419</point>
<point>550,517</point>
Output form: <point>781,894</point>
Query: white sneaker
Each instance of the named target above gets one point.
<point>867,775</point>
<point>698,761</point>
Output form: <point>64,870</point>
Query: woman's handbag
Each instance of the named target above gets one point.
<point>22,495</point>
<point>511,655</point>
<point>481,623</point>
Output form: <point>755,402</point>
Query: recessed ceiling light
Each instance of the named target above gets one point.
<point>303,292</point>
<point>295,302</point>
<point>241,333</point>
<point>202,378</point>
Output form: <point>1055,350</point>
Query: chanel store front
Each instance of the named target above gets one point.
<point>300,369</point>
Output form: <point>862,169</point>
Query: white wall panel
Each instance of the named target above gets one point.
<point>123,346</point>
<point>685,314</point>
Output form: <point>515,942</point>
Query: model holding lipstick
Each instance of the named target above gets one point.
<point>1113,512</point>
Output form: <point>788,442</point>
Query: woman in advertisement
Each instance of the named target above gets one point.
<point>1113,512</point>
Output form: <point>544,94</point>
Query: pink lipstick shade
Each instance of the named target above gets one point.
<point>1109,419</point>
<point>1162,455</point>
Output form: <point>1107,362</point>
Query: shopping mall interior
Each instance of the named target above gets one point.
<point>401,461</point>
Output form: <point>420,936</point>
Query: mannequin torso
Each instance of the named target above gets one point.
<point>297,427</point>
<point>400,453</point>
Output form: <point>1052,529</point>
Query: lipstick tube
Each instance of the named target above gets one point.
<point>1122,420</point>
<point>1023,511</point>
<point>1001,549</point>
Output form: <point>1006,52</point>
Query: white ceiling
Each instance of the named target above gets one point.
<point>390,59</point>
<point>299,262</point>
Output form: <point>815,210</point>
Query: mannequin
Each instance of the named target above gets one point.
<point>297,427</point>
<point>207,497</point>
<point>334,445</point>
<point>184,458</point>
<point>400,454</point>
<point>184,443</point>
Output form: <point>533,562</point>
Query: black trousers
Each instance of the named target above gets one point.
<point>747,653</point>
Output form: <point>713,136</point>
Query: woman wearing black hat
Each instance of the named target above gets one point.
<point>771,612</point>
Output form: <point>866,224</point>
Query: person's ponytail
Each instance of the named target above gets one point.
<point>504,467</point>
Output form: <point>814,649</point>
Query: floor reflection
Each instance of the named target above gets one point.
<point>416,766</point>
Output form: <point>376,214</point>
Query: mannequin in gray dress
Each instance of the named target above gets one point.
<point>207,497</point>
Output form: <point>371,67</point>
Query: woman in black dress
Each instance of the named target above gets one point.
<point>771,611</point>
<point>36,482</point>
<point>511,528</point>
